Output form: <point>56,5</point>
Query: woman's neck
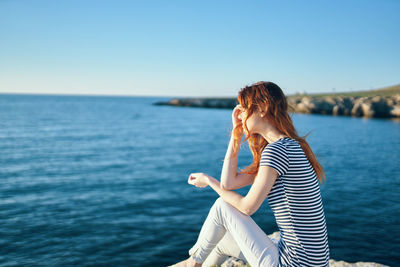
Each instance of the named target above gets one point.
<point>272,136</point>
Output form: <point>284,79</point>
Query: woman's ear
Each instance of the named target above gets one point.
<point>261,112</point>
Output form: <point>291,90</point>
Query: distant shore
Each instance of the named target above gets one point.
<point>381,103</point>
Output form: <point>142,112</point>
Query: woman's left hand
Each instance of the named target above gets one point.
<point>198,179</point>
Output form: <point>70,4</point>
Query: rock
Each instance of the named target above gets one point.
<point>234,262</point>
<point>302,108</point>
<point>338,110</point>
<point>330,100</point>
<point>174,102</point>
<point>390,102</point>
<point>342,109</point>
<point>376,98</point>
<point>323,106</point>
<point>380,107</point>
<point>367,110</point>
<point>348,103</point>
<point>333,263</point>
<point>395,112</point>
<point>293,101</point>
<point>397,98</point>
<point>357,110</point>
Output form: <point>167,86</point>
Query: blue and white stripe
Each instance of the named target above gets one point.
<point>296,202</point>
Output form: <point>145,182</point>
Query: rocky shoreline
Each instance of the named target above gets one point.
<point>234,262</point>
<point>368,106</point>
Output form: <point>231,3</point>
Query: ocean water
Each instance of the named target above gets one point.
<point>102,181</point>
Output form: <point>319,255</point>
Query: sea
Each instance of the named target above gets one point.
<point>102,180</point>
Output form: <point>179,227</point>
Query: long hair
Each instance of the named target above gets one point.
<point>269,97</point>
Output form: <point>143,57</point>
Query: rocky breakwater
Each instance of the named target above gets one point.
<point>201,102</point>
<point>376,106</point>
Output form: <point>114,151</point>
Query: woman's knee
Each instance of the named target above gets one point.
<point>220,202</point>
<point>218,206</point>
<point>223,205</point>
<point>223,208</point>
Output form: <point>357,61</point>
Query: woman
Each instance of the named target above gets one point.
<point>284,170</point>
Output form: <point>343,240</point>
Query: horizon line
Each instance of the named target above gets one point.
<point>182,96</point>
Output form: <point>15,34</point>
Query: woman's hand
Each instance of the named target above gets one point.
<point>198,179</point>
<point>237,114</point>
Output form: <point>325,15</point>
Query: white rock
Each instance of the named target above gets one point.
<point>234,262</point>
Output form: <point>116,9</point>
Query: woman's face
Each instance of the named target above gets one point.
<point>253,122</point>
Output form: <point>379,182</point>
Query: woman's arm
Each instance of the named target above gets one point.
<point>249,204</point>
<point>259,190</point>
<point>230,180</point>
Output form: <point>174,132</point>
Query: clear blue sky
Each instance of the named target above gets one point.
<point>197,48</point>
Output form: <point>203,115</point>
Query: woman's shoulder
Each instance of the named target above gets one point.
<point>283,145</point>
<point>279,146</point>
<point>285,141</point>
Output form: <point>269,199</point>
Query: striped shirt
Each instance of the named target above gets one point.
<point>295,200</point>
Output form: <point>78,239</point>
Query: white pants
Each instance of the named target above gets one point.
<point>228,232</point>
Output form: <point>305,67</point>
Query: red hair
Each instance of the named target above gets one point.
<point>269,97</point>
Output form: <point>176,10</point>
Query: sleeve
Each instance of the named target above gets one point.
<point>275,156</point>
